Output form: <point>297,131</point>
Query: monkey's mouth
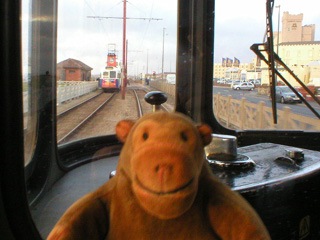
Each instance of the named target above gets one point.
<point>166,192</point>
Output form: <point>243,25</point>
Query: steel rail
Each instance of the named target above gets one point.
<point>76,106</point>
<point>140,112</point>
<point>85,120</point>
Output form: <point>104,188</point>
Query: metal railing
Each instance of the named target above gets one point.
<point>67,90</point>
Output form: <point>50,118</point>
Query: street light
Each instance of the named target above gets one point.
<point>278,29</point>
<point>276,79</point>
<point>147,61</point>
<point>163,52</point>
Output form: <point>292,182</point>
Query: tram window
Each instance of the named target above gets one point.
<point>151,58</point>
<point>105,74</point>
<point>113,74</point>
<point>296,30</point>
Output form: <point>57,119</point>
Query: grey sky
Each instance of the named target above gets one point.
<point>94,35</point>
<point>238,24</point>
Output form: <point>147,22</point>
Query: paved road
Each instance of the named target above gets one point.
<point>252,96</point>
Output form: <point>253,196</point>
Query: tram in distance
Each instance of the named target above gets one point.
<point>277,170</point>
<point>110,78</point>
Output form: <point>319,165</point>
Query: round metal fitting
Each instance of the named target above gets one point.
<point>155,97</point>
<point>241,162</point>
<point>295,153</point>
<point>222,153</point>
<point>112,174</point>
<point>225,145</point>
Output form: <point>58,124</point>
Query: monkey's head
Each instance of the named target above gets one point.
<point>163,156</point>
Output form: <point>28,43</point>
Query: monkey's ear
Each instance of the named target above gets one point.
<point>123,128</point>
<point>205,133</point>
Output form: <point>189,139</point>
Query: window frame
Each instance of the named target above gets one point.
<point>14,207</point>
<point>16,220</point>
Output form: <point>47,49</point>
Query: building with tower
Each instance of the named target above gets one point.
<point>297,48</point>
<point>294,31</point>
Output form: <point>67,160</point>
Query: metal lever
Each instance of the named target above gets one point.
<point>155,98</point>
<point>222,153</point>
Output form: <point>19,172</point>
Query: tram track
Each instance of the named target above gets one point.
<point>100,114</point>
<point>139,108</point>
<point>64,112</point>
<point>98,102</point>
<point>103,119</point>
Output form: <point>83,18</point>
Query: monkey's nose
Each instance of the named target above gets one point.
<point>163,172</point>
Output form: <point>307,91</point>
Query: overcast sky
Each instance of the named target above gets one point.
<point>145,37</point>
<point>238,24</point>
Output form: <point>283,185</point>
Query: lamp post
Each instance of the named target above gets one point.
<point>147,67</point>
<point>278,29</point>
<point>163,51</point>
<point>147,60</point>
<point>124,51</point>
<point>276,77</point>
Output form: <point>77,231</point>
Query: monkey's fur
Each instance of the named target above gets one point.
<point>163,189</point>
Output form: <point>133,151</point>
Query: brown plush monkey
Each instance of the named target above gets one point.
<point>163,189</point>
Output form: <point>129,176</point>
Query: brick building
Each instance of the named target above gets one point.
<point>73,70</point>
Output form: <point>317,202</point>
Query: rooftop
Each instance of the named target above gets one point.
<point>314,63</point>
<point>73,63</point>
<point>300,43</point>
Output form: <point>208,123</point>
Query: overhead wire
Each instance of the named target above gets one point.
<point>140,48</point>
<point>100,20</point>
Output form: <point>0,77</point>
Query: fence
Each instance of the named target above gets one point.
<point>240,114</point>
<point>67,90</point>
<point>164,87</point>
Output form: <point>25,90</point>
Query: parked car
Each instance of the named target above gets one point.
<point>229,82</point>
<point>236,82</point>
<point>285,95</point>
<point>222,81</point>
<point>255,82</point>
<point>243,86</point>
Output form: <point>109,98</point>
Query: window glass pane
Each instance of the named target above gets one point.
<point>297,42</point>
<point>29,106</point>
<point>113,74</point>
<point>90,62</point>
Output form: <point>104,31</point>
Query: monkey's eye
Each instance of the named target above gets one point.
<point>145,136</point>
<point>184,136</point>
